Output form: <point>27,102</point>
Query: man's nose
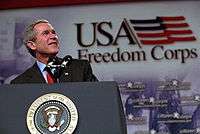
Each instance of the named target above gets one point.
<point>53,36</point>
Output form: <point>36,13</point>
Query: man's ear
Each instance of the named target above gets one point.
<point>31,45</point>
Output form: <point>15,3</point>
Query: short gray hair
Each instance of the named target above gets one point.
<point>30,34</point>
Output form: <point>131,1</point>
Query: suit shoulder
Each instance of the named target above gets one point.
<point>20,78</point>
<point>80,62</point>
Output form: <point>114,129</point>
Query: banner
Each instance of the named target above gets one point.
<point>150,48</point>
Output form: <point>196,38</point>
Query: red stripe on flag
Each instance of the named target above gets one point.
<point>143,35</point>
<point>157,42</point>
<point>164,34</point>
<point>177,25</point>
<point>170,18</point>
<point>176,30</point>
<point>192,38</point>
<point>168,32</point>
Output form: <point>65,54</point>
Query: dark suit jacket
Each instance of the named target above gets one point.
<point>77,71</point>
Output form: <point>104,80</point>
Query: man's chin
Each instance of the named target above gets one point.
<point>53,54</point>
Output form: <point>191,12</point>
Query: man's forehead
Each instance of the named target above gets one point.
<point>43,26</point>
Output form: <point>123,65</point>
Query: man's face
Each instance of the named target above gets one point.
<point>46,43</point>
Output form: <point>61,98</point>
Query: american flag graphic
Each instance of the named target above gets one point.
<point>162,30</point>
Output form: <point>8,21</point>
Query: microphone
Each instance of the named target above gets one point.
<point>53,62</point>
<point>53,66</point>
<point>56,65</point>
<point>66,61</point>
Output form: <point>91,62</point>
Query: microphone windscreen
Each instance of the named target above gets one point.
<point>66,60</point>
<point>53,61</point>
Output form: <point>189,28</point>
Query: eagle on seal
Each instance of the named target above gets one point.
<point>52,118</point>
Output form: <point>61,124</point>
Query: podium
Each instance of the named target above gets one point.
<point>99,106</point>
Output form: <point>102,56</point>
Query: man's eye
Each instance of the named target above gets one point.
<point>53,32</point>
<point>46,32</point>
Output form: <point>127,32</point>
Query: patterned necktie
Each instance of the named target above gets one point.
<point>50,79</point>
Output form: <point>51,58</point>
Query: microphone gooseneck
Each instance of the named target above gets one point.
<point>66,61</point>
<point>56,65</point>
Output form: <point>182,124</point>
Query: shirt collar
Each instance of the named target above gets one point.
<point>41,65</point>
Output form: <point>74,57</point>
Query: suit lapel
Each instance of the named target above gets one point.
<point>66,76</point>
<point>35,75</point>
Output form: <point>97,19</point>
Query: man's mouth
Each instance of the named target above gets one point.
<point>53,43</point>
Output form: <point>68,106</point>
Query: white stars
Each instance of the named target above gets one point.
<point>198,130</point>
<point>152,99</point>
<point>152,131</point>
<point>176,115</point>
<point>130,116</point>
<point>129,84</point>
<point>174,82</point>
<point>197,98</point>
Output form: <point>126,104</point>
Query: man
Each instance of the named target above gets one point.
<point>42,42</point>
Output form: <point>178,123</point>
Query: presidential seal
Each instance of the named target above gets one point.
<point>53,114</point>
